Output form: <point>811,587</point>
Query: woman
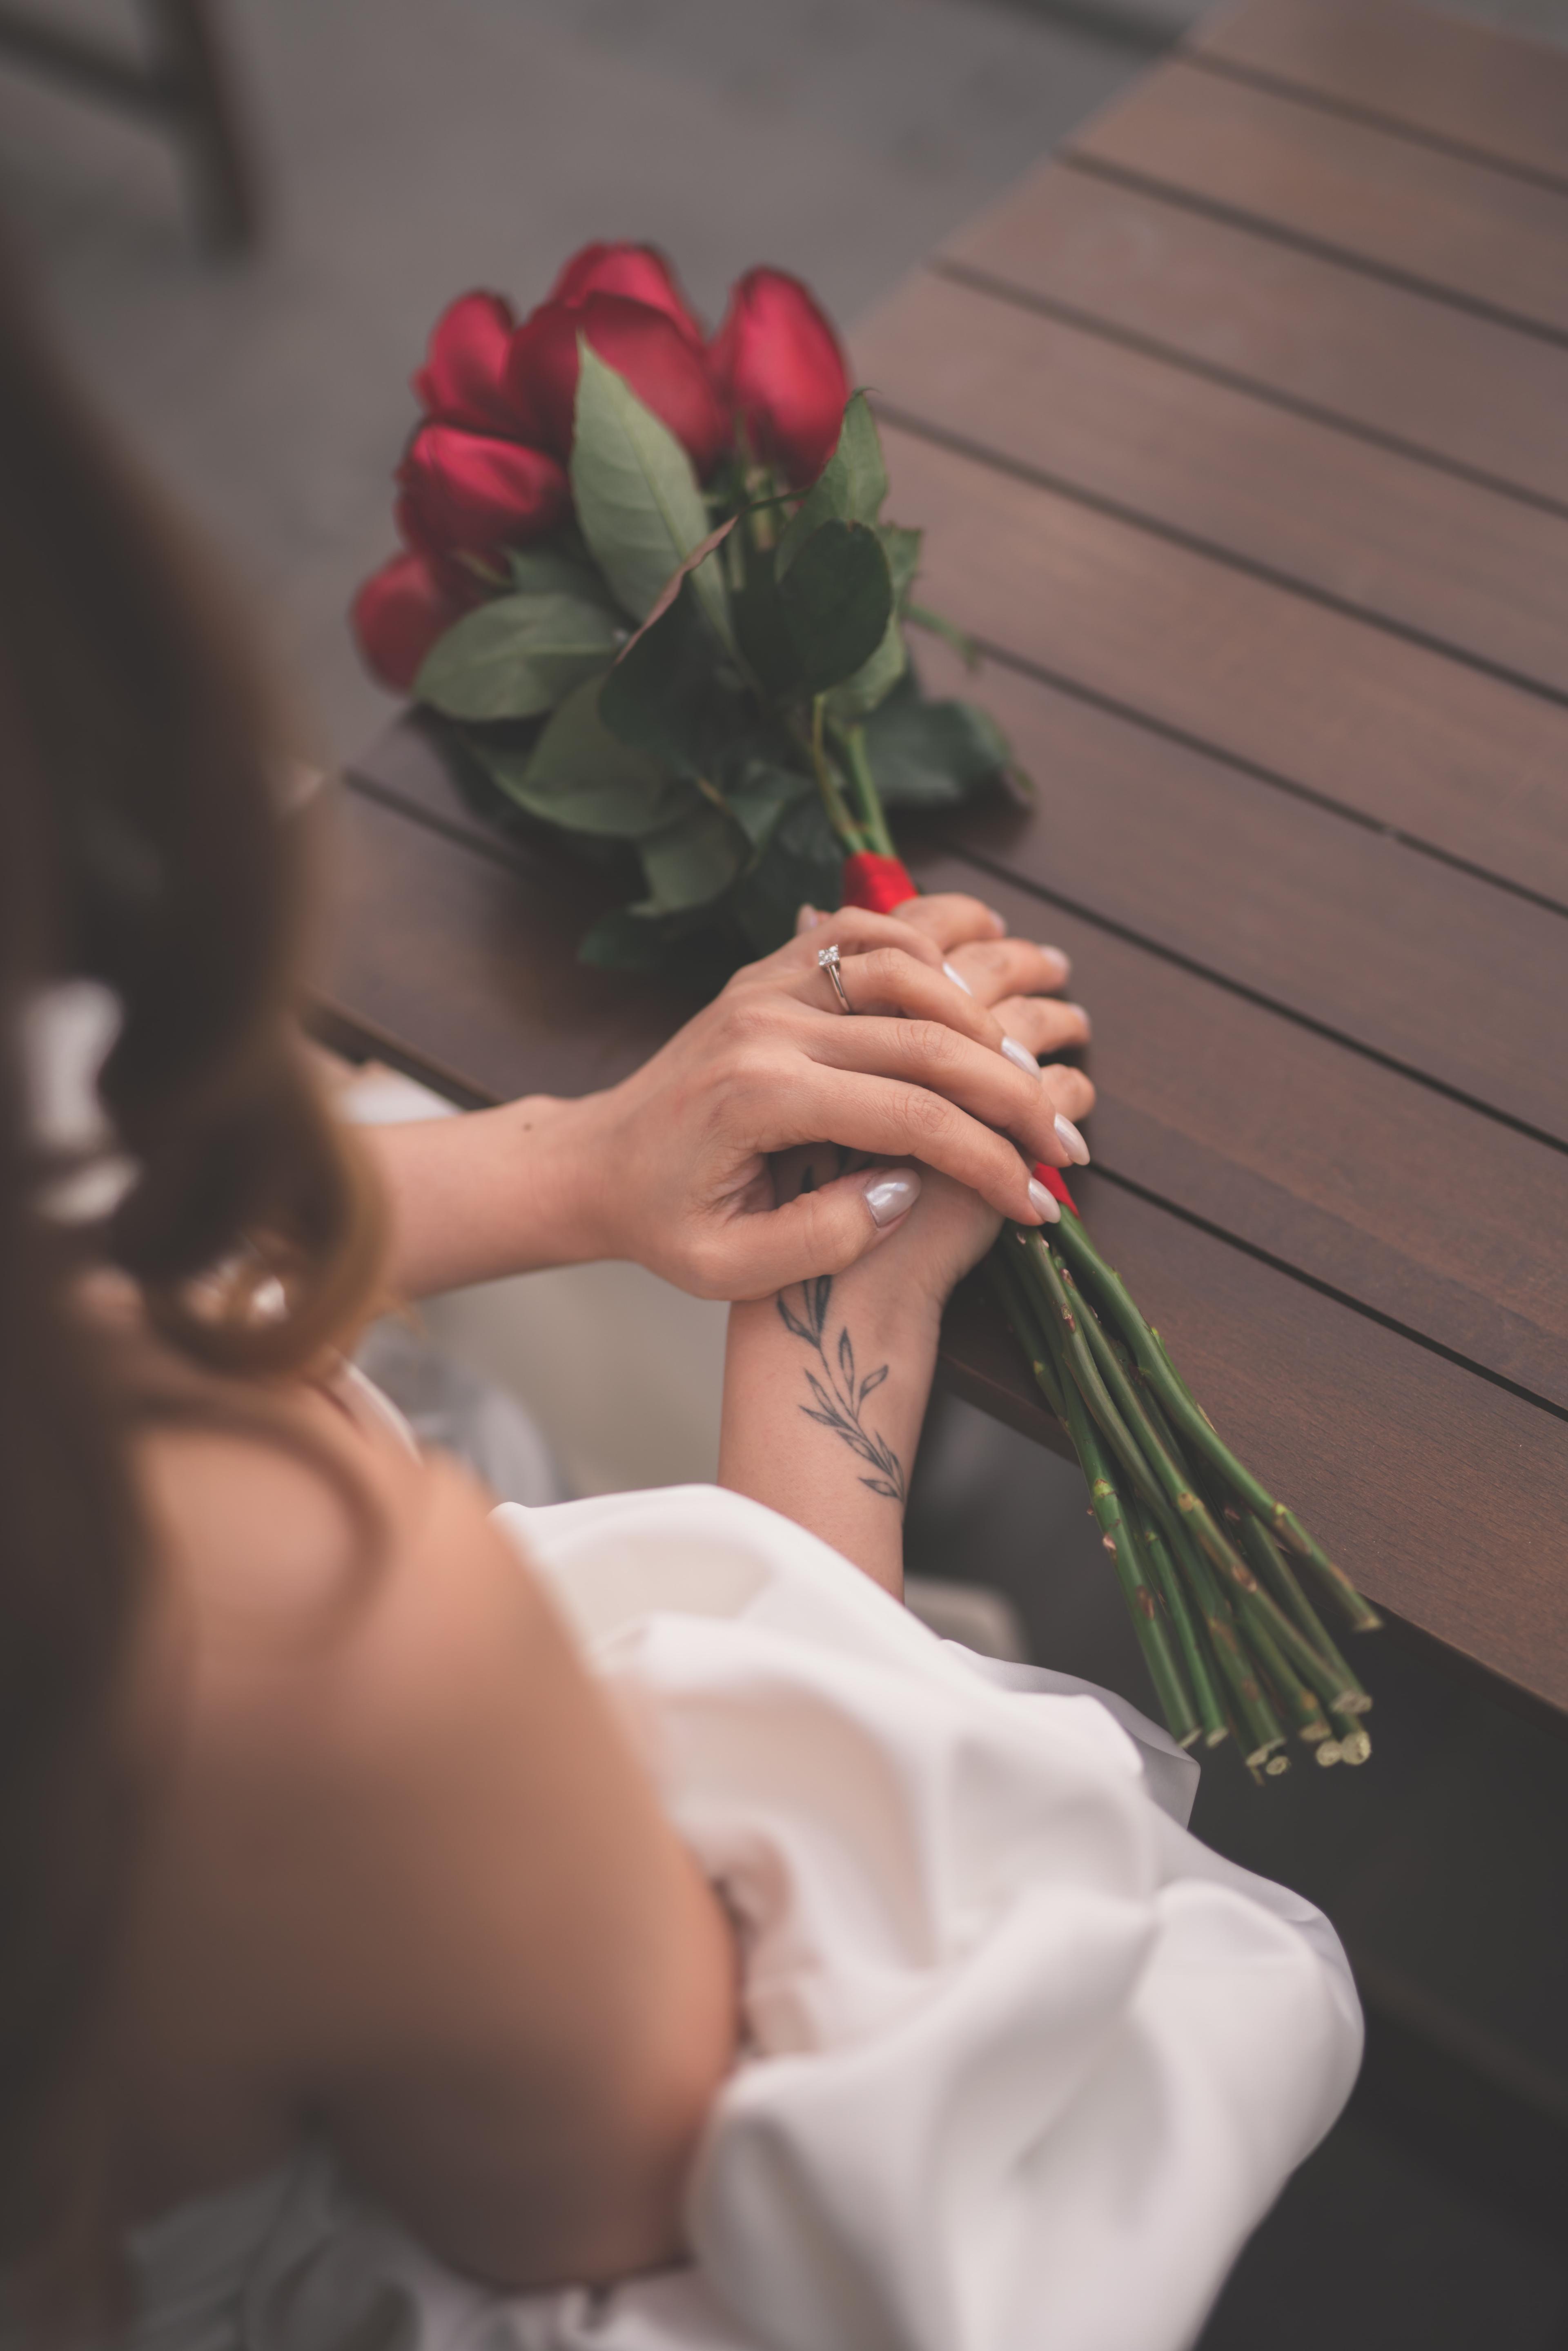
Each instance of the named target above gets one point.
<point>311,1818</point>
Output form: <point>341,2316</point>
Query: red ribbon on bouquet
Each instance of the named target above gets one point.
<point>881,885</point>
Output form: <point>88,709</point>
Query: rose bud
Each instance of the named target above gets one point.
<point>776,362</point>
<point>639,271</point>
<point>666,373</point>
<point>402,609</point>
<point>462,380</point>
<point>467,491</point>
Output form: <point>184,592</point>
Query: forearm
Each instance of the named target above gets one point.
<point>497,1192</point>
<point>825,1391</point>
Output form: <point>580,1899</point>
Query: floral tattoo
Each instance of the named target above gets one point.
<point>840,1398</point>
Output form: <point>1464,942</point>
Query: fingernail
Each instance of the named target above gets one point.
<point>1042,1202</point>
<point>1021,1055</point>
<point>1064,960</point>
<point>806,919</point>
<point>957,978</point>
<point>1072,1142</point>
<point>890,1195</point>
<point>1000,926</point>
<point>1082,1015</point>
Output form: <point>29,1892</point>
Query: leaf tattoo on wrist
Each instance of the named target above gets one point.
<point>839,1397</point>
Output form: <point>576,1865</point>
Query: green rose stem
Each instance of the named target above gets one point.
<point>1186,1415</point>
<point>863,784</point>
<point>1005,1276</point>
<point>1189,1639</point>
<point>848,834</point>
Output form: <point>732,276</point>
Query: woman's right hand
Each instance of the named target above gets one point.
<point>674,1162</point>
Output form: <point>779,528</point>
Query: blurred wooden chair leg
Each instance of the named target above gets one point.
<point>188,61</point>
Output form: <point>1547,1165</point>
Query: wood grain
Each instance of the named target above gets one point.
<point>1381,533</point>
<point>1344,926</point>
<point>1404,1201</point>
<point>1504,96</point>
<point>469,961</point>
<point>1439,221</point>
<point>1270,317</point>
<point>1457,760</point>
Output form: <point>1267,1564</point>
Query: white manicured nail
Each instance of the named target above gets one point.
<point>1064,960</point>
<point>1072,1142</point>
<point>890,1195</point>
<point>957,978</point>
<point>1043,1202</point>
<point>1019,1056</point>
<point>1082,1015</point>
<point>806,920</point>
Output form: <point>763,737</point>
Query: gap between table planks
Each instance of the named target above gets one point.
<point>1381,535</point>
<point>1229,300</point>
<point>1464,231</point>
<point>1389,732</point>
<point>1412,69</point>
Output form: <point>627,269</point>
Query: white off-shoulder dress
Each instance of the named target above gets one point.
<point>1024,2064</point>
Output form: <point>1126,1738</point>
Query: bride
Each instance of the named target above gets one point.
<point>322,1826</point>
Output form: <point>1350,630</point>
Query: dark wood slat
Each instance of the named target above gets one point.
<point>1446,1497</point>
<point>1455,758</point>
<point>469,964</point>
<point>1500,95</point>
<point>1407,1202</point>
<point>1428,967</point>
<point>1270,317</point>
<point>1438,219</point>
<point>1383,534</point>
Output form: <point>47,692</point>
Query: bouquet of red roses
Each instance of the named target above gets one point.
<point>649,583</point>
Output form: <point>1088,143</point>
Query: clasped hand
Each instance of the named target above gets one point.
<point>918,1074</point>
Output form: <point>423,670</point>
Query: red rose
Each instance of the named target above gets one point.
<point>467,491</point>
<point>639,271</point>
<point>462,380</point>
<point>776,362</point>
<point>402,609</point>
<point>663,369</point>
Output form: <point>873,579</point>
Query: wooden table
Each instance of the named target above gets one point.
<point>1240,432</point>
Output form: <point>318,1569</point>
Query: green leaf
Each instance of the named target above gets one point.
<point>637,498</point>
<point>902,549</point>
<point>581,775</point>
<point>837,598</point>
<point>515,657</point>
<point>802,864</point>
<point>557,572</point>
<point>689,863</point>
<point>762,632</point>
<point>625,940</point>
<point>851,486</point>
<point>761,798</point>
<point>661,695</point>
<point>933,754</point>
<point>876,678</point>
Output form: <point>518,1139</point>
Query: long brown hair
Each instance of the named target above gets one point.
<point>144,843</point>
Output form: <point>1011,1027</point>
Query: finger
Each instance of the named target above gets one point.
<point>929,1054</point>
<point>886,980</point>
<point>1043,1023</point>
<point>853,930</point>
<point>892,1119</point>
<point>999,968</point>
<point>950,919</point>
<point>1067,1090</point>
<point>819,1232</point>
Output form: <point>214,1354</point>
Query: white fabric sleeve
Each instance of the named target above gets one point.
<point>1026,2062</point>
